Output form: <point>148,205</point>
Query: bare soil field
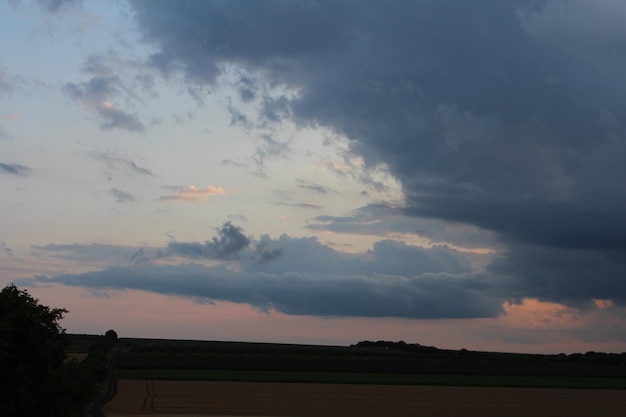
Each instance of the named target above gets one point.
<point>204,398</point>
<point>76,356</point>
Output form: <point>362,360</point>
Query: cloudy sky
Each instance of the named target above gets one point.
<point>450,173</point>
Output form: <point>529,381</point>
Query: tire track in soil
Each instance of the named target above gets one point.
<point>148,401</point>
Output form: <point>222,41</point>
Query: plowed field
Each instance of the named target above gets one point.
<point>202,398</point>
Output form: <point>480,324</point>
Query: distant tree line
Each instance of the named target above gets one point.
<point>590,363</point>
<point>401,345</point>
<point>37,378</point>
<point>589,357</point>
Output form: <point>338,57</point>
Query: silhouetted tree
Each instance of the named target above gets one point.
<point>35,382</point>
<point>111,335</point>
<point>32,348</point>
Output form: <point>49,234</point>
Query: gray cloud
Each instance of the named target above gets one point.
<point>427,296</point>
<point>4,134</point>
<point>95,255</point>
<point>507,116</point>
<point>311,186</point>
<point>386,220</point>
<point>237,118</point>
<point>58,5</point>
<point>227,162</point>
<point>274,110</point>
<point>297,276</point>
<point>7,250</point>
<point>122,196</point>
<point>95,95</point>
<point>228,243</point>
<point>115,160</point>
<point>266,252</point>
<point>302,205</point>
<point>268,148</point>
<point>99,65</point>
<point>6,84</point>
<point>387,257</point>
<point>15,169</point>
<point>110,65</point>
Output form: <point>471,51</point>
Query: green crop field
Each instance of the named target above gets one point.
<point>364,363</point>
<point>374,378</point>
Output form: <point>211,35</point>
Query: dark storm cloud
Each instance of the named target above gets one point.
<point>15,169</point>
<point>122,196</point>
<point>228,243</point>
<point>384,220</point>
<point>573,277</point>
<point>493,114</point>
<point>95,94</point>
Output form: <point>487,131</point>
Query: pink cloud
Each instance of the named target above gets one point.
<point>9,116</point>
<point>194,194</point>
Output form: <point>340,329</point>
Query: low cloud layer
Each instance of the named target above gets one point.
<point>306,277</point>
<point>426,296</point>
<point>299,276</point>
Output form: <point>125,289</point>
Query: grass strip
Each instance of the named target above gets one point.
<point>374,378</point>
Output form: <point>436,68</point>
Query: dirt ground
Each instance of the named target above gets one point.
<point>78,356</point>
<point>203,398</point>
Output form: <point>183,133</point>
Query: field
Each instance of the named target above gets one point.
<point>189,357</point>
<point>206,398</point>
<point>76,357</point>
<point>204,378</point>
<point>517,381</point>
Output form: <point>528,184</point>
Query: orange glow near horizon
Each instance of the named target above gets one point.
<point>603,304</point>
<point>532,313</point>
<point>529,327</point>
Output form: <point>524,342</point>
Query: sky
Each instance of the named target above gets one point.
<point>448,173</point>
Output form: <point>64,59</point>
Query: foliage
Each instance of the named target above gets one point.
<point>32,348</point>
<point>111,336</point>
<point>36,381</point>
